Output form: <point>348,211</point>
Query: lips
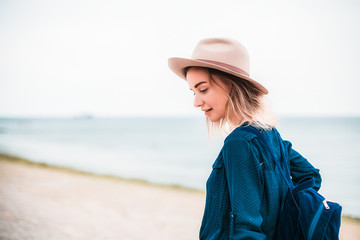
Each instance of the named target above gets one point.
<point>207,111</point>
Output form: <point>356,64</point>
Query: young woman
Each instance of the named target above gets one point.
<point>245,189</point>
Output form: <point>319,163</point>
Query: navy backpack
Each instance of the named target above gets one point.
<point>303,214</point>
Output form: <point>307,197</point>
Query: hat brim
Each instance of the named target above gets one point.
<point>178,65</point>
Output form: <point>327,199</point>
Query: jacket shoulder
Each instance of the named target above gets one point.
<point>239,135</point>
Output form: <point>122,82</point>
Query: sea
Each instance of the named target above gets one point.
<point>178,150</point>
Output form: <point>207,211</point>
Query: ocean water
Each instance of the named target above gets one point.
<point>178,151</point>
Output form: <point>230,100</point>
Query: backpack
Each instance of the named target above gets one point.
<point>303,214</point>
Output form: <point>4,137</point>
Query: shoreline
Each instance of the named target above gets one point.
<point>38,201</point>
<point>20,160</point>
<point>11,158</point>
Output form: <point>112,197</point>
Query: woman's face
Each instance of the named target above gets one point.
<point>209,96</point>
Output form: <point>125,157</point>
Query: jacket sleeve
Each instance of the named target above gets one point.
<point>300,168</point>
<point>243,174</point>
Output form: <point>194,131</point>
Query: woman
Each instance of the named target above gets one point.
<point>245,190</point>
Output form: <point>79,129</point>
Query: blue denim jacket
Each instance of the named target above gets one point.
<point>245,189</point>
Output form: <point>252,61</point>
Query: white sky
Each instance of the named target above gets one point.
<point>109,58</point>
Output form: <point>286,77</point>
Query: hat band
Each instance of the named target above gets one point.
<point>235,69</point>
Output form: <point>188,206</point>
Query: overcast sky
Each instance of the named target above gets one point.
<point>109,58</point>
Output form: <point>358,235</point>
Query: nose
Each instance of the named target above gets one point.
<point>198,102</point>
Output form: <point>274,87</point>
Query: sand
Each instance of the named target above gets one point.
<point>40,202</point>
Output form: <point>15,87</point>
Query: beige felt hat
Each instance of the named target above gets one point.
<point>227,55</point>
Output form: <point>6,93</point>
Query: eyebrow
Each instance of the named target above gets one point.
<point>198,84</point>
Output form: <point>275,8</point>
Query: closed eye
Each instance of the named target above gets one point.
<point>202,91</point>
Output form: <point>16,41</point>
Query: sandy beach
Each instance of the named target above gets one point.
<point>41,202</point>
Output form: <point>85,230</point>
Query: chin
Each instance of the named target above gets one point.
<point>214,119</point>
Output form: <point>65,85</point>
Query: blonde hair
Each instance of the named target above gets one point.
<point>245,103</point>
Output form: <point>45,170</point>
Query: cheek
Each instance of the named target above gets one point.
<point>217,98</point>
<point>222,100</point>
<point>223,106</point>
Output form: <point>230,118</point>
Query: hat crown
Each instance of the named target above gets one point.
<point>223,50</point>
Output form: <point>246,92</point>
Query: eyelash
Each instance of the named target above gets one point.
<point>202,91</point>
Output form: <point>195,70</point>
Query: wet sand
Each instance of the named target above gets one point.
<point>41,202</point>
